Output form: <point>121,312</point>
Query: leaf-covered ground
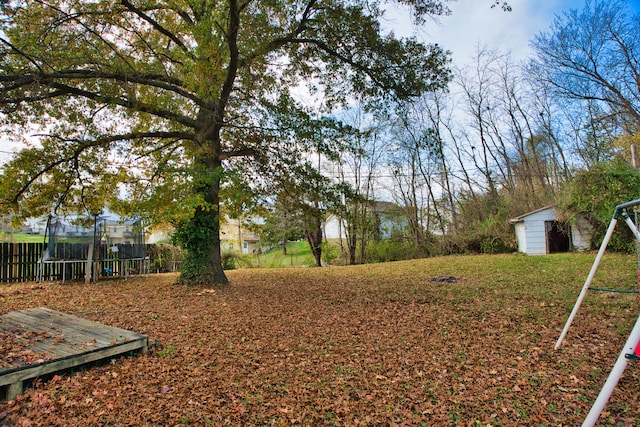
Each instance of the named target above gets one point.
<point>368,345</point>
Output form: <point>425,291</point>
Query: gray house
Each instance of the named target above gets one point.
<point>540,232</point>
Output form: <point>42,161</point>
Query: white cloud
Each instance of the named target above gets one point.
<point>474,23</point>
<point>8,148</point>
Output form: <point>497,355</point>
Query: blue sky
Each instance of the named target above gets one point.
<point>474,22</point>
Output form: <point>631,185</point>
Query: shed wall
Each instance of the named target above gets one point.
<point>521,237</point>
<point>535,232</point>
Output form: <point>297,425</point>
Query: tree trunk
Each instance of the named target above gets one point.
<point>202,262</point>
<point>352,249</point>
<point>314,238</point>
<point>352,231</point>
<point>215,272</point>
<point>200,234</point>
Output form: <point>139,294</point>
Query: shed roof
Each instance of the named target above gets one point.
<point>523,216</point>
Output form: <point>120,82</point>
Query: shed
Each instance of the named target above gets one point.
<point>540,232</point>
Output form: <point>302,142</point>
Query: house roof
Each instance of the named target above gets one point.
<point>523,216</point>
<point>376,206</point>
<point>381,206</point>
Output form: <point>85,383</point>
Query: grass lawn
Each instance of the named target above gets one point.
<point>377,344</point>
<point>298,255</point>
<point>20,237</point>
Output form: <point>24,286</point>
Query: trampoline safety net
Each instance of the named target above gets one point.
<point>69,239</point>
<point>123,239</point>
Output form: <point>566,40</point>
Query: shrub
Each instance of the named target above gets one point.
<point>388,250</point>
<point>330,252</point>
<point>164,257</point>
<point>595,193</point>
<point>229,260</point>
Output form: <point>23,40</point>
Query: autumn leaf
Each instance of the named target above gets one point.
<point>364,345</point>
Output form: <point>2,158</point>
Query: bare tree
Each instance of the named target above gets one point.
<point>357,169</point>
<point>477,84</point>
<point>594,55</point>
<point>420,170</point>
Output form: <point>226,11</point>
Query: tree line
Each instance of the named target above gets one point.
<point>502,139</point>
<point>180,111</point>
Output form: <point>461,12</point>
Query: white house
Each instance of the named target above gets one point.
<point>540,232</point>
<point>388,215</point>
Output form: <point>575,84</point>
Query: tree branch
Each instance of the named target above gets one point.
<point>232,69</point>
<point>75,17</point>
<point>349,61</point>
<point>87,144</point>
<point>152,80</point>
<point>127,103</point>
<point>278,43</point>
<point>231,72</point>
<point>21,53</point>
<point>154,24</point>
<point>244,152</point>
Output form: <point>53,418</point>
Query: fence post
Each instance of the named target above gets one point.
<point>88,265</point>
<point>15,260</point>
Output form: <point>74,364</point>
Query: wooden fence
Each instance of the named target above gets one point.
<point>21,262</point>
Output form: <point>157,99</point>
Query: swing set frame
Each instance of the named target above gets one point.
<point>629,349</point>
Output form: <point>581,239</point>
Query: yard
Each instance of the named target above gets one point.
<point>378,344</point>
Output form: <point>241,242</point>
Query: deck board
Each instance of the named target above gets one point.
<point>50,341</point>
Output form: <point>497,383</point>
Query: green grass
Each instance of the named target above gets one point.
<point>298,255</point>
<point>20,237</point>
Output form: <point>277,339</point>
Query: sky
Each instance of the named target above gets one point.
<point>472,23</point>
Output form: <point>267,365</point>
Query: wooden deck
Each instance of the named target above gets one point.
<point>40,341</point>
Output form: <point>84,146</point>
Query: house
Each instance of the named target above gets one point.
<point>117,230</point>
<point>334,228</point>
<point>159,234</point>
<point>541,232</point>
<point>236,236</point>
<point>388,218</point>
<point>35,225</point>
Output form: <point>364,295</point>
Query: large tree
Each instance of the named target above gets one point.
<point>156,98</point>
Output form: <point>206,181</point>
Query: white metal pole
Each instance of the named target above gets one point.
<point>632,227</point>
<point>613,378</point>
<point>587,283</point>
